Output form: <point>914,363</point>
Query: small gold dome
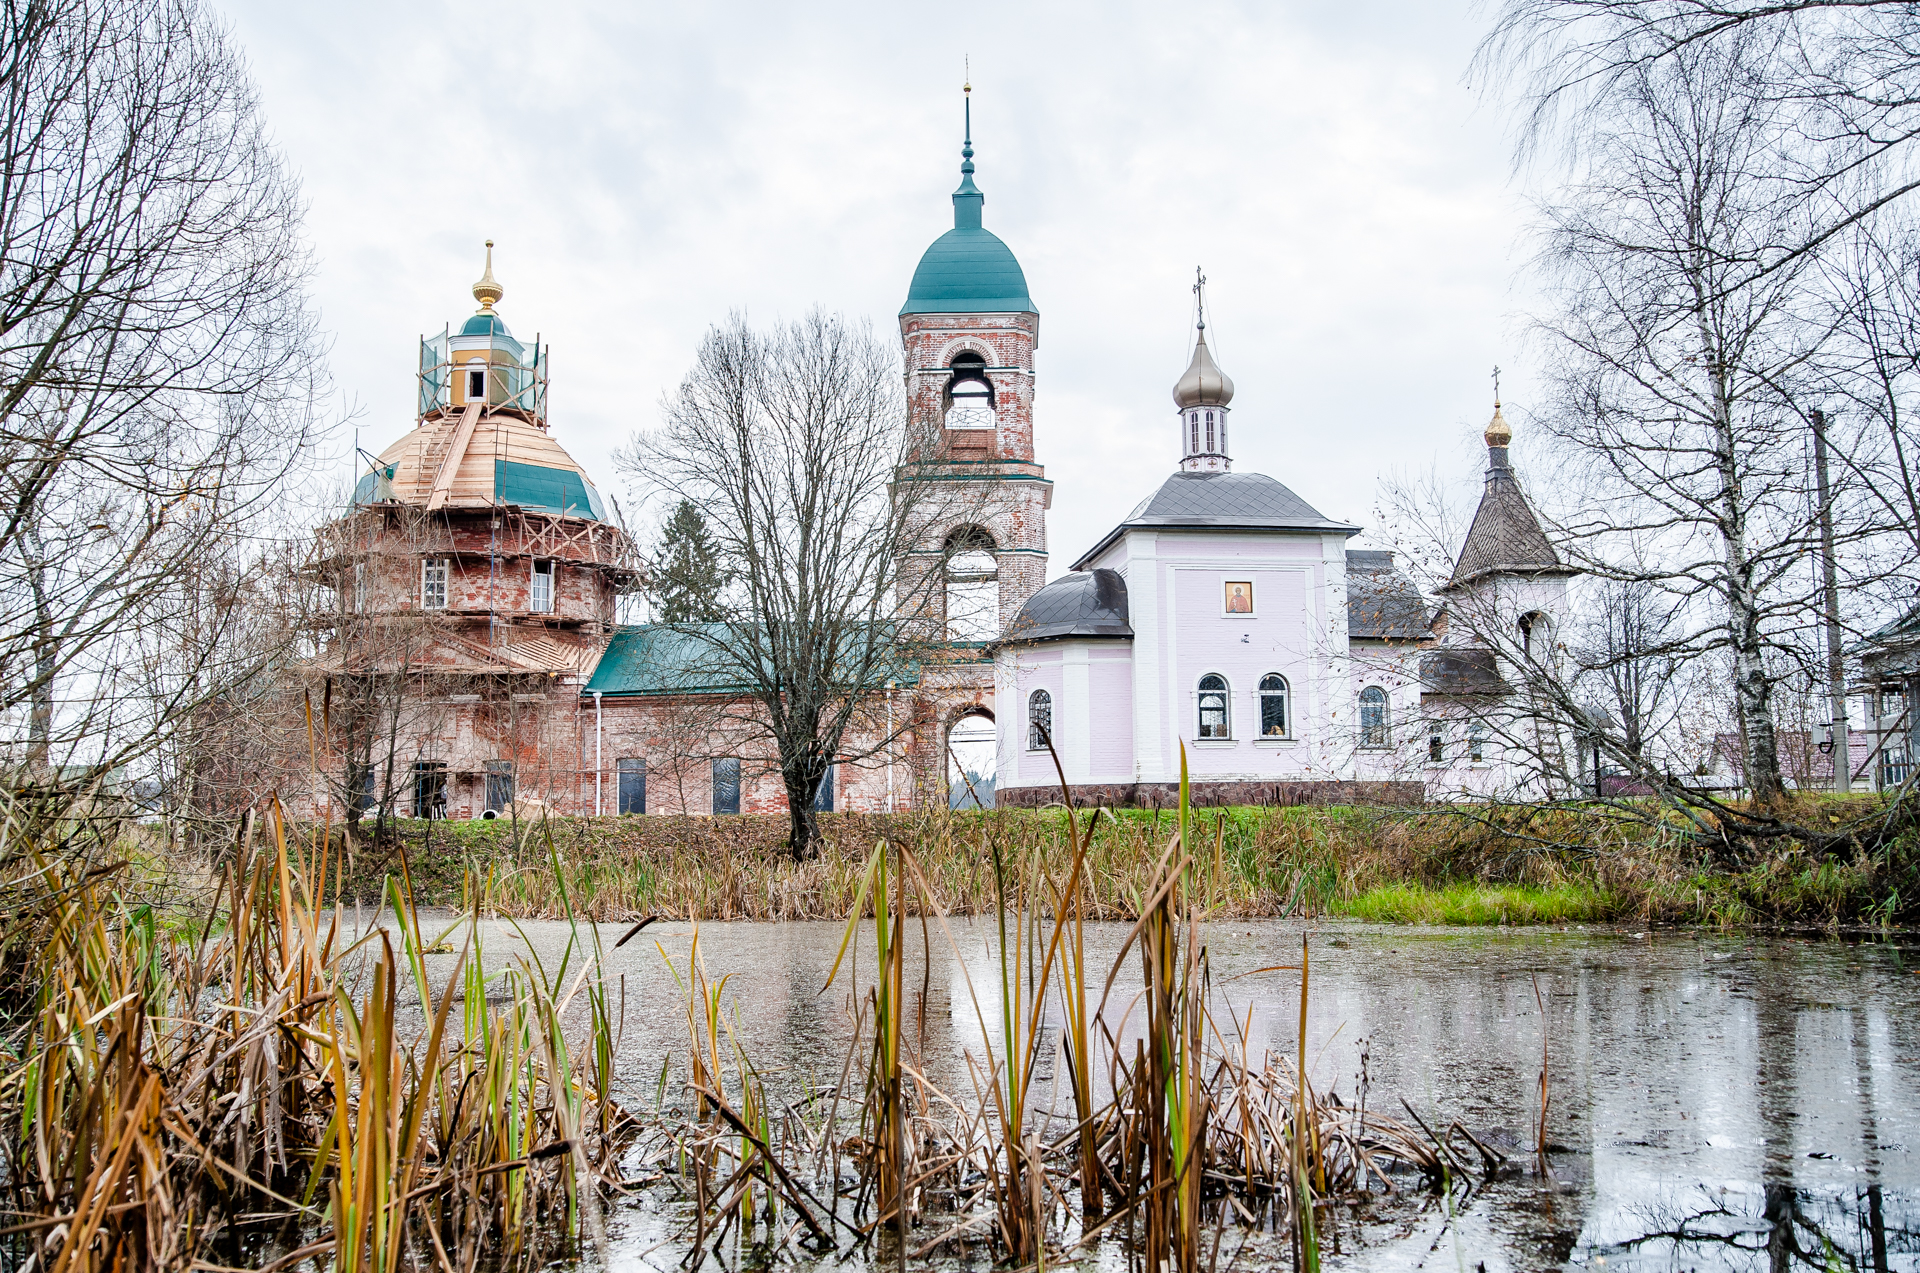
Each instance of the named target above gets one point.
<point>487,291</point>
<point>1498,433</point>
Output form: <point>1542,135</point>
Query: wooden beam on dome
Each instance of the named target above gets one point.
<point>450,462</point>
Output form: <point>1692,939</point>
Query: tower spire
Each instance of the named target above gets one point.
<point>1499,434</point>
<point>488,291</point>
<point>967,200</point>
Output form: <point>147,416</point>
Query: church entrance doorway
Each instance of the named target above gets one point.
<point>971,748</point>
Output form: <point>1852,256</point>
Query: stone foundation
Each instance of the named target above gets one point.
<point>1166,795</point>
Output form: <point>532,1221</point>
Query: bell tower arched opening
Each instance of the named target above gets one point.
<point>972,749</point>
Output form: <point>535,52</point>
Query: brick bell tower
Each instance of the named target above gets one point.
<point>970,331</point>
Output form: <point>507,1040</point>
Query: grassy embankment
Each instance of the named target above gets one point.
<point>1503,866</point>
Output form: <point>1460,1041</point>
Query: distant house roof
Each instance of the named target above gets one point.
<point>1802,763</point>
<point>1461,673</point>
<point>1382,603</point>
<point>1086,603</point>
<point>1505,537</point>
<point>1894,650</point>
<point>1220,501</point>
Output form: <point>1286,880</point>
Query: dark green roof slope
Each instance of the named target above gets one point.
<point>559,491</point>
<point>663,658</point>
<point>657,659</point>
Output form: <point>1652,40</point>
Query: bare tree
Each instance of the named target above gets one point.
<point>793,443</point>
<point>1682,373</point>
<point>1843,76</point>
<point>158,370</point>
<point>1631,649</point>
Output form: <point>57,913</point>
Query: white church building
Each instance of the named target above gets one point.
<point>1226,613</point>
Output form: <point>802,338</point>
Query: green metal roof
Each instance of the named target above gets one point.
<point>485,323</point>
<point>663,658</point>
<point>658,659</point>
<point>968,270</point>
<point>535,486</point>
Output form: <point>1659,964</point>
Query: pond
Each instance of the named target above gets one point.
<point>1716,1101</point>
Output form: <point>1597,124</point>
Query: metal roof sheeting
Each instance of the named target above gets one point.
<point>1382,603</point>
<point>1221,501</point>
<point>1090,603</point>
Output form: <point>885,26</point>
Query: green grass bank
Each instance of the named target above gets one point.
<point>1495,865</point>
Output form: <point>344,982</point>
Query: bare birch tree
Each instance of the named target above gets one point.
<point>1683,372</point>
<point>792,442</point>
<point>158,370</point>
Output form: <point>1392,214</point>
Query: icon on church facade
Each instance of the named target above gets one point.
<point>1239,597</point>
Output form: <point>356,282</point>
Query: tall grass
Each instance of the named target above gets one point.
<point>251,1089</point>
<point>1305,861</point>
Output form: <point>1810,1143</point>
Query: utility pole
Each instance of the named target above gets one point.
<point>1836,660</point>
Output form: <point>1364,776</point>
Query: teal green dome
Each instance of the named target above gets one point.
<point>968,270</point>
<point>488,323</point>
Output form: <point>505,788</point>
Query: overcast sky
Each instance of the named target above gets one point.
<point>645,168</point>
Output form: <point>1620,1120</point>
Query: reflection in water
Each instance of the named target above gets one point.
<point>1717,1103</point>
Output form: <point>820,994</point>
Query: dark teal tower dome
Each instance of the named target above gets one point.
<point>968,270</point>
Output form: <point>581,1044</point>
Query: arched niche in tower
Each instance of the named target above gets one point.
<point>968,396</point>
<point>972,584</point>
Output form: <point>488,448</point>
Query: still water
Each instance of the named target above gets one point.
<point>1717,1102</point>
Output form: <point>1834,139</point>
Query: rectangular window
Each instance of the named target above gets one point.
<point>476,386</point>
<point>1436,744</point>
<point>542,588</point>
<point>1476,742</point>
<point>633,785</point>
<point>359,587</point>
<point>499,785</point>
<point>430,789</point>
<point>433,583</point>
<point>726,785</point>
<point>363,791</point>
<point>823,798</point>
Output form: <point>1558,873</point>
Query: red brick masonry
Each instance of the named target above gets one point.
<point>1166,795</point>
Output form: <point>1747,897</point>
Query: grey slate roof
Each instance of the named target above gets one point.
<point>1382,603</point>
<point>1087,603</point>
<point>1466,673</point>
<point>1220,501</point>
<point>1505,537</point>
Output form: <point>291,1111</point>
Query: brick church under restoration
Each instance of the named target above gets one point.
<point>473,664</point>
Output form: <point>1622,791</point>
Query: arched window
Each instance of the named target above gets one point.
<point>1039,720</point>
<point>1214,718</point>
<point>1373,717</point>
<point>1209,430</point>
<point>1273,706</point>
<point>476,380</point>
<point>973,586</point>
<point>1536,634</point>
<point>1193,424</point>
<point>970,394</point>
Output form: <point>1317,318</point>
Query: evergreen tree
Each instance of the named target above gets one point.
<point>689,573</point>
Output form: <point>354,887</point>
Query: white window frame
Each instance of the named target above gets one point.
<point>1034,741</point>
<point>471,368</point>
<point>552,576</point>
<point>428,566</point>
<point>1285,695</point>
<point>1226,707</point>
<point>1386,719</point>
